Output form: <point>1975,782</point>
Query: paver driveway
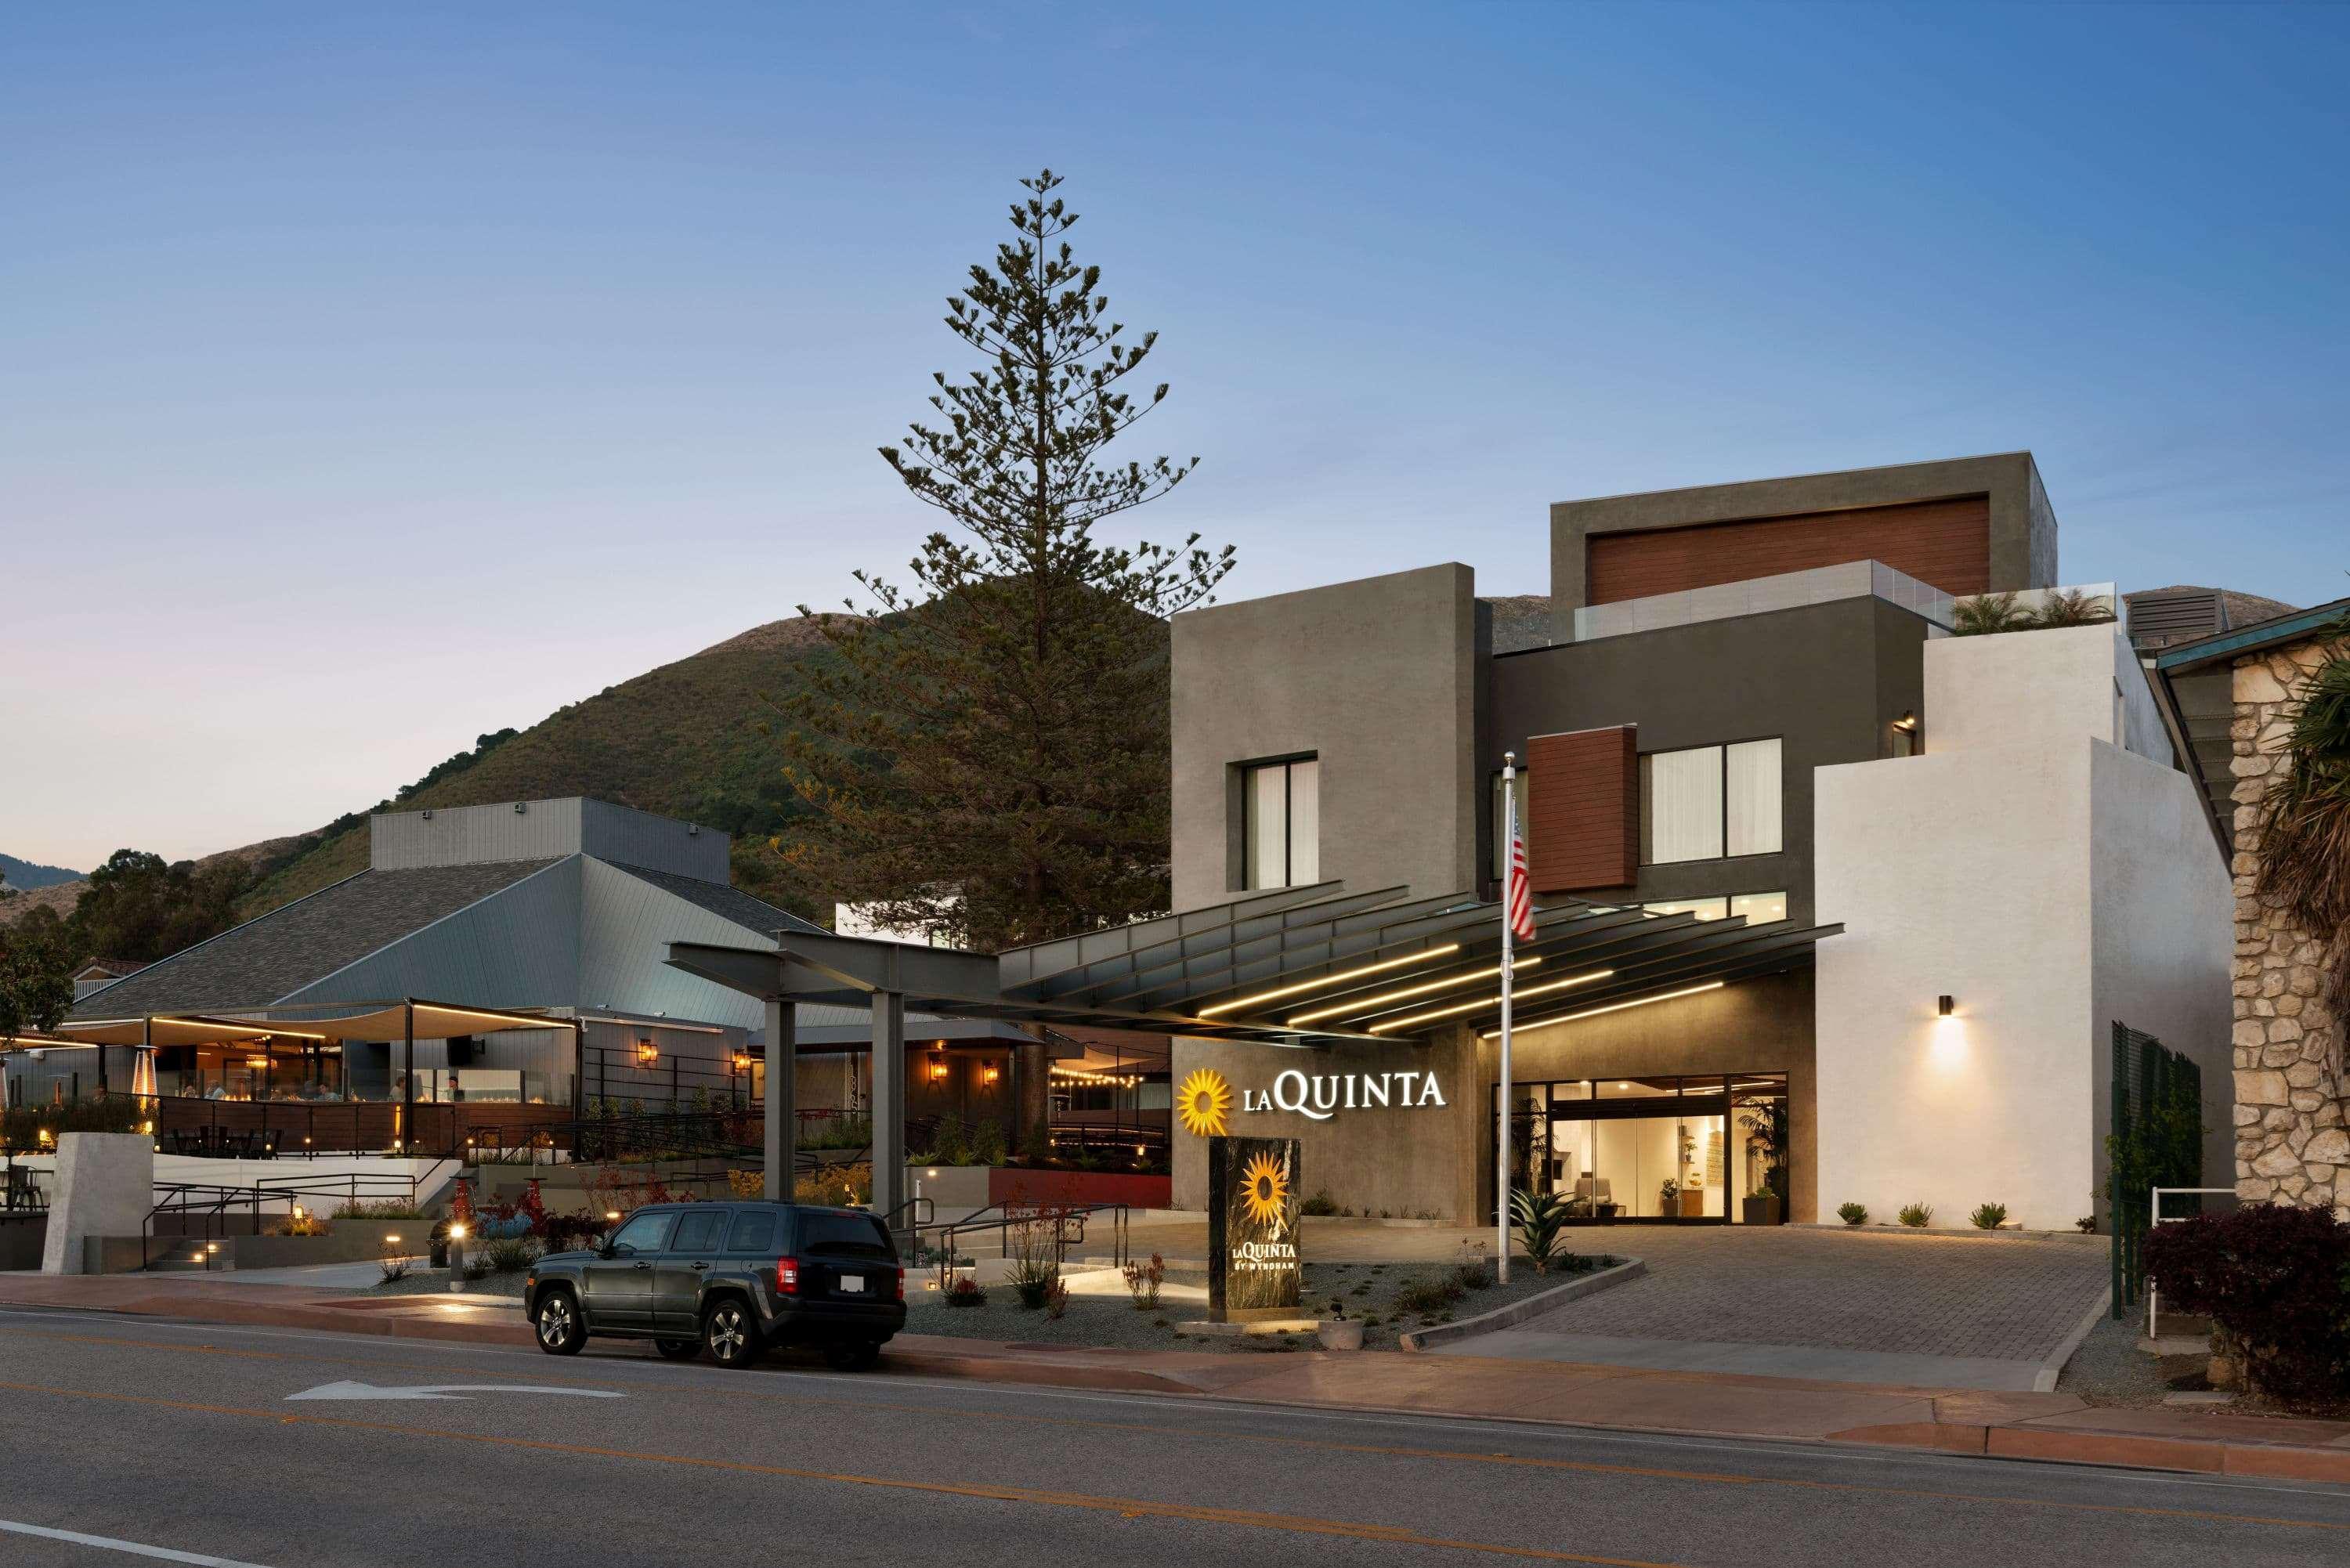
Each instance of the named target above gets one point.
<point>1871,1306</point>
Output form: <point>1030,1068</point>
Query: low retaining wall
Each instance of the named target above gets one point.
<point>1621,1271</point>
<point>1012,1184</point>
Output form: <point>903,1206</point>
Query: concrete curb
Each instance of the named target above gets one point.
<point>1946,1232</point>
<point>2044,1380</point>
<point>1619,1273</point>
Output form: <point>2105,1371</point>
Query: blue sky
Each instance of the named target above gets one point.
<point>371,379</point>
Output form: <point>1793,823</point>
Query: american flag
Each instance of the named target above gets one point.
<point>1518,897</point>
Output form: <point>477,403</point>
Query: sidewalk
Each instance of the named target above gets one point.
<point>2054,1427</point>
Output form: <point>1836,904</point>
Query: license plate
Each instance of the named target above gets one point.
<point>852,1281</point>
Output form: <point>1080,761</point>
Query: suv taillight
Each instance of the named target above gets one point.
<point>901,1284</point>
<point>787,1276</point>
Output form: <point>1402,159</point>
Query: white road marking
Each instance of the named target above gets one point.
<point>347,1390</point>
<point>136,1549</point>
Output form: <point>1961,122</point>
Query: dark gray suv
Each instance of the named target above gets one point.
<point>729,1278</point>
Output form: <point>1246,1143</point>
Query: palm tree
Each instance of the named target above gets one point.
<point>1983,615</point>
<point>2304,859</point>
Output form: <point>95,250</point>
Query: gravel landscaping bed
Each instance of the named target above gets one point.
<point>2110,1369</point>
<point>1369,1292</point>
<point>435,1281</point>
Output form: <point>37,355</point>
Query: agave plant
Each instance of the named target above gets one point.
<point>2305,819</point>
<point>1984,615</point>
<point>1540,1217</point>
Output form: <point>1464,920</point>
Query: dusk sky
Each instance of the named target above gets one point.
<point>372,379</point>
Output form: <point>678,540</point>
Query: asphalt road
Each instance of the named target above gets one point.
<point>185,1444</point>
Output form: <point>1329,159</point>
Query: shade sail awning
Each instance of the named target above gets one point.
<point>1299,966</point>
<point>392,1021</point>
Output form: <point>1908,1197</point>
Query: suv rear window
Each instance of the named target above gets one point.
<point>698,1233</point>
<point>753,1232</point>
<point>842,1236</point>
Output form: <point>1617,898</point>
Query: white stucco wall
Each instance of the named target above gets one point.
<point>2051,882</point>
<point>105,1187</point>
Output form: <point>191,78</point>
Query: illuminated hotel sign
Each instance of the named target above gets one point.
<point>1204,1103</point>
<point>1254,1268</point>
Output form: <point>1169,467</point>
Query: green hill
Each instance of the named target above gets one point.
<point>680,740</point>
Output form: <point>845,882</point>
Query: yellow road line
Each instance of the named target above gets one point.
<point>1125,1508</point>
<point>1579,1466</point>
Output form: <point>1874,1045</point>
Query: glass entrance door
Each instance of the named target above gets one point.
<point>1671,1149</point>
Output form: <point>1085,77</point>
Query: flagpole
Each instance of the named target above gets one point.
<point>1502,1161</point>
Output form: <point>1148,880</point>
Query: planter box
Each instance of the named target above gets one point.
<point>1693,1204</point>
<point>1766,1210</point>
<point>1012,1184</point>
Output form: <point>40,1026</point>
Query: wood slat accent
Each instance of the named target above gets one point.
<point>1583,809</point>
<point>1945,542</point>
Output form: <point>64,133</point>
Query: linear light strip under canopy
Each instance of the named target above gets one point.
<point>1373,1004</point>
<point>1324,982</point>
<point>1611,1007</point>
<point>1385,1024</point>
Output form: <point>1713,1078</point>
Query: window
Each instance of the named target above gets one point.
<point>825,1235</point>
<point>1500,828</point>
<point>642,1233</point>
<point>1281,809</point>
<point>698,1233</point>
<point>1760,909</point>
<point>1703,909</point>
<point>753,1232</point>
<point>1707,802</point>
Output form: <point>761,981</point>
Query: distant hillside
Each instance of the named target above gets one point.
<point>680,740</point>
<point>24,876</point>
<point>1520,621</point>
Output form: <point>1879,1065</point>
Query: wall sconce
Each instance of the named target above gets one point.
<point>938,1069</point>
<point>647,1054</point>
<point>1944,1005</point>
<point>1908,722</point>
<point>742,1061</point>
<point>990,1073</point>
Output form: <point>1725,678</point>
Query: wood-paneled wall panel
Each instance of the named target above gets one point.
<point>1583,809</point>
<point>1945,542</point>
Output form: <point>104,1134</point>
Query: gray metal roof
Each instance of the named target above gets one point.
<point>727,903</point>
<point>295,944</point>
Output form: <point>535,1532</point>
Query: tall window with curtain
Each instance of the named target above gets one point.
<point>1707,802</point>
<point>1281,807</point>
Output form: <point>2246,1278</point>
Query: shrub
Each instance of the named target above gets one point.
<point>838,1185</point>
<point>379,1209</point>
<point>394,1264</point>
<point>1853,1213</point>
<point>1056,1298</point>
<point>1143,1280</point>
<point>2273,1280</point>
<point>966,1292</point>
<point>1320,1203</point>
<point>508,1254</point>
<point>1988,1216</point>
<point>2086,1224</point>
<point>1422,1297</point>
<point>572,1232</point>
<point>1916,1216</point>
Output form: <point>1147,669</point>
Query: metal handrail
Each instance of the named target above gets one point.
<point>1063,1237</point>
<point>211,1203</point>
<point>2155,1217</point>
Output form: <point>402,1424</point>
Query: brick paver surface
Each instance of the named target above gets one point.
<point>2014,1298</point>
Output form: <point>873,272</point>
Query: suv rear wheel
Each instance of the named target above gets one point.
<point>852,1356</point>
<point>730,1334</point>
<point>560,1328</point>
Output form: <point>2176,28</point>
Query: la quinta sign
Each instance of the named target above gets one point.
<point>1321,1096</point>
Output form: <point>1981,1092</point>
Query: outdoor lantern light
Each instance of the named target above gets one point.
<point>991,1073</point>
<point>1944,1006</point>
<point>646,1052</point>
<point>1907,721</point>
<point>611,1214</point>
<point>939,1068</point>
<point>742,1061</point>
<point>456,1232</point>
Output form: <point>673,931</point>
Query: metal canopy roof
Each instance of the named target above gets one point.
<point>1300,966</point>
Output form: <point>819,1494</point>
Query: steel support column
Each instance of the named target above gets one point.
<point>782,1107</point>
<point>890,1103</point>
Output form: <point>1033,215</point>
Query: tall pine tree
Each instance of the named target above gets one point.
<point>988,758</point>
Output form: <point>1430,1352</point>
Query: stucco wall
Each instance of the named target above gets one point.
<point>2050,887</point>
<point>2022,688</point>
<point>1376,678</point>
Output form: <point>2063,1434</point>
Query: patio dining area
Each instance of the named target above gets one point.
<point>412,1076</point>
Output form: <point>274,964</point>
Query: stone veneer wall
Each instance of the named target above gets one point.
<point>2291,1146</point>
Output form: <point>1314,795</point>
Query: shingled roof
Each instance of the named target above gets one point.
<point>266,959</point>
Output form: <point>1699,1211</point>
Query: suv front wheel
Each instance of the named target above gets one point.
<point>730,1333</point>
<point>560,1331</point>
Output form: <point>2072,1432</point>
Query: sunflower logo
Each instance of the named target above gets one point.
<point>1265,1189</point>
<point>1205,1101</point>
